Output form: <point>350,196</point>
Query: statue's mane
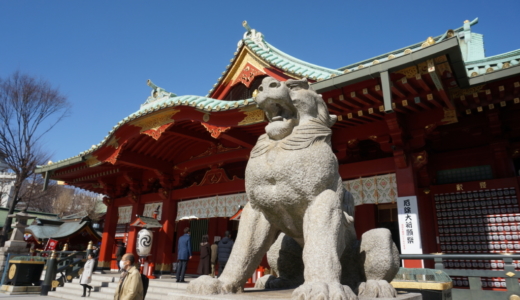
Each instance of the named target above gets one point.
<point>302,137</point>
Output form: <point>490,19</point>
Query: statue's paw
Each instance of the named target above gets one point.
<point>323,291</point>
<point>206,285</point>
<point>377,289</point>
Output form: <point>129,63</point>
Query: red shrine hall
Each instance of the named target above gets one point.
<point>427,139</point>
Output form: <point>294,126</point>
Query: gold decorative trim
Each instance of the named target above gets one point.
<point>439,286</point>
<point>409,72</point>
<point>252,117</point>
<point>457,92</point>
<point>510,274</point>
<point>114,142</point>
<point>55,283</point>
<point>12,271</point>
<point>154,121</point>
<point>92,161</point>
<point>27,262</point>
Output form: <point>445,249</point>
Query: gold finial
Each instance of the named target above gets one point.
<point>53,254</point>
<point>467,21</point>
<point>89,247</point>
<point>430,40</point>
<point>65,247</point>
<point>255,93</point>
<point>450,33</point>
<point>49,162</point>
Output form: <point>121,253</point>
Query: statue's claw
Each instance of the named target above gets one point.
<point>206,285</point>
<point>377,289</point>
<point>323,291</point>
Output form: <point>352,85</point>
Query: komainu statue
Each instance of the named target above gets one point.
<point>299,210</point>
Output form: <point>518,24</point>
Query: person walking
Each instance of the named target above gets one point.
<point>214,249</point>
<point>183,255</point>
<point>120,251</point>
<point>224,251</point>
<point>205,256</point>
<point>130,285</point>
<point>86,276</point>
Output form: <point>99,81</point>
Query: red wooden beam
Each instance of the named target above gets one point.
<point>418,101</point>
<point>225,157</point>
<point>144,162</point>
<point>421,83</point>
<point>239,137</point>
<point>489,96</point>
<point>446,99</point>
<point>367,94</point>
<point>463,100</point>
<point>355,98</point>
<point>476,98</point>
<point>190,134</point>
<point>396,91</point>
<point>404,82</point>
<point>408,106</point>
<point>431,99</point>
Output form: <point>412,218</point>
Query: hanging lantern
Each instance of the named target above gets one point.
<point>144,242</point>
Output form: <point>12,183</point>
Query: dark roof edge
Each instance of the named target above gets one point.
<point>496,75</point>
<point>62,164</point>
<point>448,47</point>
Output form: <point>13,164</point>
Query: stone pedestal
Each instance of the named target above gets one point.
<point>20,290</point>
<point>259,294</point>
<point>15,248</point>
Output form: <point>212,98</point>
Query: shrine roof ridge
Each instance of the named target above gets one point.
<point>493,63</point>
<point>198,102</point>
<point>399,52</point>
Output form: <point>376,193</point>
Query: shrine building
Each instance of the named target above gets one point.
<point>427,139</point>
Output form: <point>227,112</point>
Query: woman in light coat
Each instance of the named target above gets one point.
<point>86,276</point>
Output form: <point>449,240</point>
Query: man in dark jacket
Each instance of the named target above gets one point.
<point>121,250</point>
<point>183,254</point>
<point>224,251</point>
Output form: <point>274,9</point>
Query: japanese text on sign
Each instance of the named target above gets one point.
<point>409,231</point>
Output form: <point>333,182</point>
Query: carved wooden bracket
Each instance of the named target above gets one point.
<point>164,193</point>
<point>420,159</point>
<point>215,175</point>
<point>215,131</point>
<point>132,197</point>
<point>133,183</point>
<point>247,75</point>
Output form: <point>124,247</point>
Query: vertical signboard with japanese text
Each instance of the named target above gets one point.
<point>409,231</point>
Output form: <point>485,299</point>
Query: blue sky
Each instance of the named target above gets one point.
<point>100,53</point>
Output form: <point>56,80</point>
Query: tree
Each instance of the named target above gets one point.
<point>29,108</point>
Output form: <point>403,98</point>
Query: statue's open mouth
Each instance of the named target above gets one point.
<point>278,110</point>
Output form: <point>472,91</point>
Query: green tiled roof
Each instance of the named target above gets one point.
<point>199,102</point>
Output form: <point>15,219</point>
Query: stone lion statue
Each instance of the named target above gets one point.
<point>299,210</point>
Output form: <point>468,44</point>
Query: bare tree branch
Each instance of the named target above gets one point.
<point>29,108</point>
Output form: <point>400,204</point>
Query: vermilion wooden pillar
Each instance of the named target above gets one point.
<point>165,236</point>
<point>407,186</point>
<point>132,231</point>
<point>109,232</point>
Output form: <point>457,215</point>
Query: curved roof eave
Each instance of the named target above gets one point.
<point>198,102</point>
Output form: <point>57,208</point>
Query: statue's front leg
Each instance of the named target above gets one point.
<point>255,236</point>
<point>324,233</point>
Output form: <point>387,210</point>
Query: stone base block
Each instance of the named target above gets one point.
<point>20,290</point>
<point>251,294</point>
